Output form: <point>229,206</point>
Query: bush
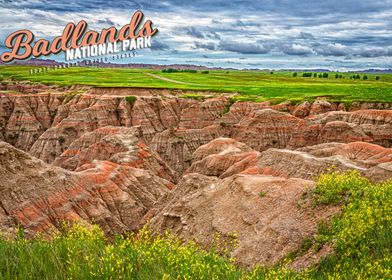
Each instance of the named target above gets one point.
<point>295,74</point>
<point>361,237</point>
<point>205,72</point>
<point>61,139</point>
<point>335,188</point>
<point>170,70</point>
<point>377,78</point>
<point>307,75</point>
<point>131,99</point>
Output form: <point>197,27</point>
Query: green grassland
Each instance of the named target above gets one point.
<point>361,238</point>
<point>250,85</point>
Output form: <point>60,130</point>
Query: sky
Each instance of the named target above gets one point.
<point>337,35</point>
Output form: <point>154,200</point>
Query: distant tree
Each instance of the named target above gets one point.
<point>377,78</point>
<point>320,75</point>
<point>271,73</point>
<point>315,75</point>
<point>325,75</point>
<point>336,76</point>
<point>205,72</point>
<point>340,76</point>
<point>307,75</point>
<point>358,77</point>
<point>295,74</point>
<point>171,70</point>
<point>227,72</point>
<point>365,77</point>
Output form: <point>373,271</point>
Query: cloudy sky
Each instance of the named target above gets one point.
<point>278,34</point>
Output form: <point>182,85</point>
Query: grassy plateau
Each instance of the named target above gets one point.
<point>250,85</point>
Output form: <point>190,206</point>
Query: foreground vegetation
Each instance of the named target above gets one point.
<point>251,85</point>
<point>361,238</point>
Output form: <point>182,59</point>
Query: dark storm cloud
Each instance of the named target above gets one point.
<point>106,21</point>
<point>205,46</point>
<point>295,49</point>
<point>193,32</point>
<point>243,48</point>
<point>157,45</point>
<point>305,35</point>
<point>345,29</point>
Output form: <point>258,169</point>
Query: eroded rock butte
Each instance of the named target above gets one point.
<point>194,167</point>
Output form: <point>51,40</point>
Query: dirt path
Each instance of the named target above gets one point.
<point>168,80</point>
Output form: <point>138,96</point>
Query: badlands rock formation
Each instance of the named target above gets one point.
<point>38,196</point>
<point>268,227</point>
<point>194,167</point>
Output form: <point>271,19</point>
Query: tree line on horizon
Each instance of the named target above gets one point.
<point>337,76</point>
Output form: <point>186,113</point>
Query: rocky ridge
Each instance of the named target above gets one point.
<point>194,167</point>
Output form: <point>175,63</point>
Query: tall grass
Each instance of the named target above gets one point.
<point>361,238</point>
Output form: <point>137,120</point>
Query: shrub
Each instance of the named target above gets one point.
<point>131,99</point>
<point>361,237</point>
<point>170,70</point>
<point>307,75</point>
<point>295,74</point>
<point>336,187</point>
<point>205,72</point>
<point>61,139</point>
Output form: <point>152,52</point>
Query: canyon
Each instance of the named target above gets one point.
<point>194,167</point>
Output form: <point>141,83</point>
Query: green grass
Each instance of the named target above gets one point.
<point>131,99</point>
<point>361,238</point>
<point>251,85</point>
<point>193,96</point>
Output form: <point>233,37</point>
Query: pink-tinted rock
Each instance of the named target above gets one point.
<point>39,197</point>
